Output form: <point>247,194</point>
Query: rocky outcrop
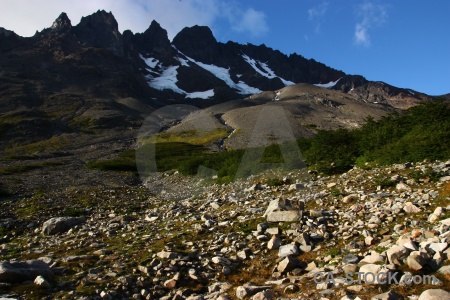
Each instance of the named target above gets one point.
<point>60,224</point>
<point>17,272</point>
<point>100,30</point>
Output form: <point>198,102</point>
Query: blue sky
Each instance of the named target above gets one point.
<point>405,43</point>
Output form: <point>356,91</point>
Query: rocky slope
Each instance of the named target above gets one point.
<point>268,236</point>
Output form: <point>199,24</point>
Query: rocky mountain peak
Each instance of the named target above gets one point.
<point>197,42</point>
<point>101,19</point>
<point>100,30</point>
<point>62,22</point>
<point>6,33</point>
<point>154,40</point>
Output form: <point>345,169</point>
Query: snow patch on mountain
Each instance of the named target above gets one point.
<point>183,62</point>
<point>201,95</point>
<point>266,71</point>
<point>328,85</point>
<point>151,62</point>
<point>167,80</point>
<point>224,75</point>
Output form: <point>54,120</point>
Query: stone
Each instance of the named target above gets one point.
<point>416,260</point>
<point>274,205</point>
<point>167,254</point>
<point>221,261</point>
<point>296,186</point>
<point>396,254</point>
<point>170,284</point>
<point>306,248</point>
<point>369,241</point>
<point>243,254</point>
<point>303,239</point>
<point>262,226</point>
<point>438,247</point>
<point>245,291</point>
<point>17,272</point>
<point>402,187</point>
<point>284,216</point>
<point>444,270</point>
<point>288,264</point>
<point>350,197</point>
<point>372,259</point>
<point>274,243</point>
<point>410,208</point>
<point>60,224</point>
<point>390,295</point>
<point>445,222</point>
<point>350,268</point>
<point>311,266</point>
<point>350,259</point>
<point>264,295</point>
<point>273,231</point>
<point>444,179</point>
<point>41,281</point>
<point>287,250</point>
<point>291,288</point>
<point>374,274</point>
<point>434,294</point>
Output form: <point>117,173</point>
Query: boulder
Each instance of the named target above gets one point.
<point>17,272</point>
<point>396,254</point>
<point>284,216</point>
<point>287,250</point>
<point>434,294</point>
<point>244,291</point>
<point>60,224</point>
<point>374,274</point>
<point>416,260</point>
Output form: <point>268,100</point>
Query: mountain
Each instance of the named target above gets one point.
<point>68,79</point>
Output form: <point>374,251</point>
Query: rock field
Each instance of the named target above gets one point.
<point>292,237</point>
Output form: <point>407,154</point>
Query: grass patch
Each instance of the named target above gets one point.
<point>193,137</point>
<point>53,144</point>
<point>74,212</point>
<point>383,181</point>
<point>427,175</point>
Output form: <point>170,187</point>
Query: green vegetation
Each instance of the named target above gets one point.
<point>125,162</point>
<point>383,181</point>
<point>193,137</point>
<point>422,132</point>
<point>52,144</point>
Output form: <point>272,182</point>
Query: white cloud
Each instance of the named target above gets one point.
<point>317,15</point>
<point>317,11</point>
<point>249,21</point>
<point>253,22</point>
<point>26,16</point>
<point>370,15</point>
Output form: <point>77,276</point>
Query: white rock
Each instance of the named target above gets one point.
<point>274,243</point>
<point>220,260</point>
<point>434,294</point>
<point>287,250</point>
<point>410,208</point>
<point>41,281</point>
<point>396,254</point>
<point>438,247</point>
